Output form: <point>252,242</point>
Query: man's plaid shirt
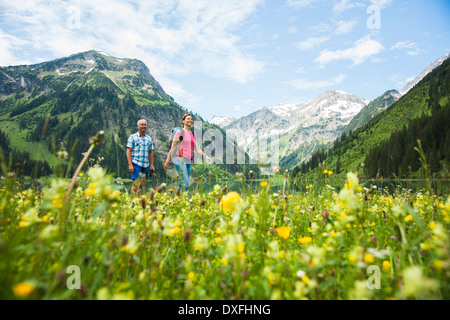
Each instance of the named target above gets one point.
<point>140,147</point>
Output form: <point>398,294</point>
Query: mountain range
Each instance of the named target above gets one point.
<point>299,128</point>
<point>302,129</point>
<point>59,104</point>
<point>426,71</point>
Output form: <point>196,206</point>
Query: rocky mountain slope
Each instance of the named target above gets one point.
<point>296,127</point>
<point>61,103</point>
<point>426,71</point>
<point>372,109</point>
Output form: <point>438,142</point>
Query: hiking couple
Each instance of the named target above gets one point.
<point>140,153</point>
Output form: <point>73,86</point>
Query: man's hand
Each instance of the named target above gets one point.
<point>131,168</point>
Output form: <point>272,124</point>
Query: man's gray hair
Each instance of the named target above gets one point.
<point>141,120</point>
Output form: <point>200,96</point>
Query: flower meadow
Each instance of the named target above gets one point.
<point>92,240</point>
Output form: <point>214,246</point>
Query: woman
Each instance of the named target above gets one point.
<point>182,150</point>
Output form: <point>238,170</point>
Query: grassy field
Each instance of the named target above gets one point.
<point>249,242</point>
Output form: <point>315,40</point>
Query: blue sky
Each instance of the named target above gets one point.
<point>231,58</point>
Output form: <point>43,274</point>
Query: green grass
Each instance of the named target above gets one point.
<point>257,240</point>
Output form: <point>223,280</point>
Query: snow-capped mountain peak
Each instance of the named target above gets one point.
<point>297,124</point>
<point>285,110</point>
<point>426,71</point>
<point>222,121</point>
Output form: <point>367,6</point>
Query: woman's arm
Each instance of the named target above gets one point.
<point>174,144</point>
<point>200,151</point>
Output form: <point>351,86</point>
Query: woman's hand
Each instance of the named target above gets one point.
<point>166,165</point>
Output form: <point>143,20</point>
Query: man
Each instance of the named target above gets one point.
<point>140,156</point>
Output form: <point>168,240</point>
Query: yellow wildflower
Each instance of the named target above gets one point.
<point>231,201</point>
<point>438,264</point>
<point>386,266</point>
<point>89,192</point>
<point>284,232</point>
<point>368,258</point>
<point>305,240</point>
<point>115,194</point>
<point>271,278</point>
<point>107,190</point>
<point>23,289</point>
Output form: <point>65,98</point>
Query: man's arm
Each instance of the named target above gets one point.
<point>130,164</point>
<point>150,159</point>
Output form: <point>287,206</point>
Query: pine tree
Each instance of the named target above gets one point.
<point>338,165</point>
<point>433,162</point>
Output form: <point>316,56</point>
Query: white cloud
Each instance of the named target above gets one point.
<point>310,43</point>
<point>381,3</point>
<point>300,3</point>
<point>173,37</point>
<point>302,84</point>
<point>415,52</point>
<point>400,80</point>
<point>169,85</point>
<point>411,47</point>
<point>344,5</point>
<point>404,45</point>
<point>292,29</point>
<point>321,27</point>
<point>344,27</point>
<point>363,49</point>
<point>7,45</point>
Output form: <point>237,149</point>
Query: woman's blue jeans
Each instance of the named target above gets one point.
<point>184,171</point>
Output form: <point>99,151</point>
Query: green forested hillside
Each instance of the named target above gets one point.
<point>371,143</point>
<point>52,109</point>
<point>375,107</point>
